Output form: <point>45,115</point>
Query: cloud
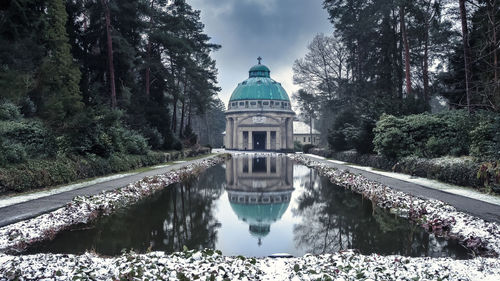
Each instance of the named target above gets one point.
<point>276,30</point>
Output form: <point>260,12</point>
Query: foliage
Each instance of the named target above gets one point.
<point>59,91</point>
<point>41,173</point>
<point>27,138</point>
<point>190,138</point>
<point>485,137</point>
<point>102,133</point>
<point>489,174</point>
<point>54,70</point>
<point>306,147</point>
<point>424,135</point>
<point>459,171</point>
<point>9,111</point>
<point>350,131</point>
<point>297,146</point>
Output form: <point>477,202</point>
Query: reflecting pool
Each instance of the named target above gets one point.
<point>254,206</point>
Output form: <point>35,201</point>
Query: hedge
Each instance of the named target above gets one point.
<point>35,174</point>
<point>424,135</point>
<point>352,156</point>
<point>461,171</point>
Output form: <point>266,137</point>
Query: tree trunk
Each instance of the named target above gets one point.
<point>110,53</point>
<point>425,70</point>
<point>492,14</point>
<point>174,115</point>
<point>148,69</point>
<point>465,39</point>
<point>311,128</point>
<point>181,127</point>
<point>407,49</point>
<point>148,54</point>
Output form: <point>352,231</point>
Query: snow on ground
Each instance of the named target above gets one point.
<point>435,216</point>
<point>210,265</point>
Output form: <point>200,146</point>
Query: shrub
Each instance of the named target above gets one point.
<point>459,171</point>
<point>31,134</point>
<point>9,111</point>
<point>297,146</point>
<point>11,153</point>
<point>424,135</point>
<point>38,173</point>
<point>371,160</point>
<point>307,147</point>
<point>485,137</point>
<point>133,142</point>
<point>489,174</point>
<point>349,131</point>
<point>154,137</point>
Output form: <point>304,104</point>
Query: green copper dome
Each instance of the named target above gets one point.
<point>259,86</point>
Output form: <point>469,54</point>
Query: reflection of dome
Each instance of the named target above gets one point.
<point>260,216</point>
<point>259,213</point>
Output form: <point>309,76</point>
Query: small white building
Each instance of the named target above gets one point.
<point>302,133</point>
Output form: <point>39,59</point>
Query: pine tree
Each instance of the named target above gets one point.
<point>59,75</point>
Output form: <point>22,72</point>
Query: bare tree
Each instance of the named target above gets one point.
<point>322,67</point>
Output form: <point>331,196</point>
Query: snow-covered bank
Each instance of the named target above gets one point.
<point>210,265</point>
<point>16,237</point>
<point>435,216</point>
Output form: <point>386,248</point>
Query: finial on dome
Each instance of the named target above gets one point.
<point>259,59</point>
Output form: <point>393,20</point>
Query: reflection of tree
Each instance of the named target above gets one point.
<point>189,219</point>
<point>180,215</point>
<point>334,219</point>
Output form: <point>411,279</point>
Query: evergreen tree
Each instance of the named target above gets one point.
<point>60,97</point>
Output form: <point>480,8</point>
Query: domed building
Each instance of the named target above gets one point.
<point>259,114</point>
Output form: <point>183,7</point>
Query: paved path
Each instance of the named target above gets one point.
<point>478,208</point>
<point>32,208</point>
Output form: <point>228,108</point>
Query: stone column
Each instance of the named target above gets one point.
<point>235,133</point>
<point>268,140</point>
<point>229,134</point>
<point>278,139</point>
<point>290,134</point>
<point>268,165</point>
<point>250,139</point>
<point>283,133</point>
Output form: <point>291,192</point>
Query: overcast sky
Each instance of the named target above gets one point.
<point>277,30</point>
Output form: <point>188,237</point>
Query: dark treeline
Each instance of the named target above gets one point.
<point>102,76</point>
<point>398,57</point>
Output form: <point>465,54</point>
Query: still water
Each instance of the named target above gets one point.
<point>254,206</point>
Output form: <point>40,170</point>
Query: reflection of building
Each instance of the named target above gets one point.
<point>259,190</point>
<point>259,114</point>
<point>302,133</point>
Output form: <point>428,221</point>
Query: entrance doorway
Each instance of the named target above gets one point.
<point>259,140</point>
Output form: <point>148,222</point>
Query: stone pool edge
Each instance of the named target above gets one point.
<point>16,237</point>
<point>435,216</point>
